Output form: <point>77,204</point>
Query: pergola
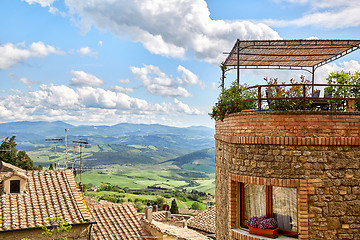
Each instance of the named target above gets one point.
<point>307,55</point>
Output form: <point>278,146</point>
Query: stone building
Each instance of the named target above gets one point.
<point>301,167</point>
<point>307,163</point>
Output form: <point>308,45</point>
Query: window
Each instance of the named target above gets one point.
<point>14,186</point>
<point>277,202</point>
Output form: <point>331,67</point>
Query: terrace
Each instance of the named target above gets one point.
<point>342,93</point>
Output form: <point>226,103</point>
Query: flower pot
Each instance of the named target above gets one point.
<point>271,233</point>
<point>350,106</point>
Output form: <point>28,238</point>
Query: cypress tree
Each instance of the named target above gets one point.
<point>174,207</point>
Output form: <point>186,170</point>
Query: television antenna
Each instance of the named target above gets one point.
<point>55,141</point>
<point>81,144</point>
<point>66,148</point>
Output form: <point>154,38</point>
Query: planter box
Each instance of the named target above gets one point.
<point>271,233</point>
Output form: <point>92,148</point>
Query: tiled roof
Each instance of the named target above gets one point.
<point>159,216</point>
<point>181,233</point>
<point>204,221</point>
<point>7,167</point>
<point>48,193</point>
<point>118,221</point>
<point>7,175</point>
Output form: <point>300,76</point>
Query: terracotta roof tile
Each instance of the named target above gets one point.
<point>116,221</point>
<point>204,221</point>
<point>7,167</point>
<point>10,174</point>
<point>48,193</point>
<point>182,233</point>
<point>159,216</point>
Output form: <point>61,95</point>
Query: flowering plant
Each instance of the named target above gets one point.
<point>261,222</point>
<point>229,101</point>
<point>278,90</point>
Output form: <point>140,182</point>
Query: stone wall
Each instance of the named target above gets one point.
<point>323,154</point>
<point>80,232</point>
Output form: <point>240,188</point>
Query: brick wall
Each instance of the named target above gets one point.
<point>291,128</point>
<point>327,167</point>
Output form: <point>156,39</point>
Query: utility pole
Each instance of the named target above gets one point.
<point>55,141</point>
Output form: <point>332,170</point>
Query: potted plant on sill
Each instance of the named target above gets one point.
<point>263,226</point>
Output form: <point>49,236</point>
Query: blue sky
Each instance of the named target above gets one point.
<point>103,62</point>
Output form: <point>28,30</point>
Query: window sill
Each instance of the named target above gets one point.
<point>241,233</point>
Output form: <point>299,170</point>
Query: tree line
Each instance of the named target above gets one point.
<point>9,154</point>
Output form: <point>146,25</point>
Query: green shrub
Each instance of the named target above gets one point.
<point>343,78</point>
<point>196,206</point>
<point>228,101</point>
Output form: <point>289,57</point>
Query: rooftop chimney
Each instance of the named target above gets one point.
<point>148,212</point>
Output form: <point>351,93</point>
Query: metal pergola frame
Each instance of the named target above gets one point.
<point>305,55</point>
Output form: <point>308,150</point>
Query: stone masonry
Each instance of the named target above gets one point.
<point>316,152</point>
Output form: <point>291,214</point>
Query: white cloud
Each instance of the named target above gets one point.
<point>169,28</point>
<point>43,3</point>
<point>323,72</point>
<point>100,43</point>
<point>332,14</point>
<point>11,54</point>
<point>188,77</point>
<point>120,89</point>
<point>53,10</point>
<point>124,81</point>
<point>158,83</point>
<point>28,83</point>
<point>182,107</point>
<point>100,98</point>
<point>86,51</point>
<point>213,86</point>
<point>47,4</point>
<point>60,102</point>
<point>82,78</point>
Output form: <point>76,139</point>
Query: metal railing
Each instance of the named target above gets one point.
<point>305,97</point>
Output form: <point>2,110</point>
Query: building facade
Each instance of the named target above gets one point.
<point>300,167</point>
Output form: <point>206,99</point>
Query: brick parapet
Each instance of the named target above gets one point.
<point>302,141</point>
<point>271,127</point>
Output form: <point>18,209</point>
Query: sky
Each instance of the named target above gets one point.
<point>104,62</point>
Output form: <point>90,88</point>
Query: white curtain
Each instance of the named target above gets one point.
<point>284,207</point>
<point>254,200</point>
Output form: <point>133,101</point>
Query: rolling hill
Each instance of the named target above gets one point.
<point>201,161</point>
<point>29,134</point>
<point>129,155</point>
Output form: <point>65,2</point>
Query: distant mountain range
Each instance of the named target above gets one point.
<point>29,134</point>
